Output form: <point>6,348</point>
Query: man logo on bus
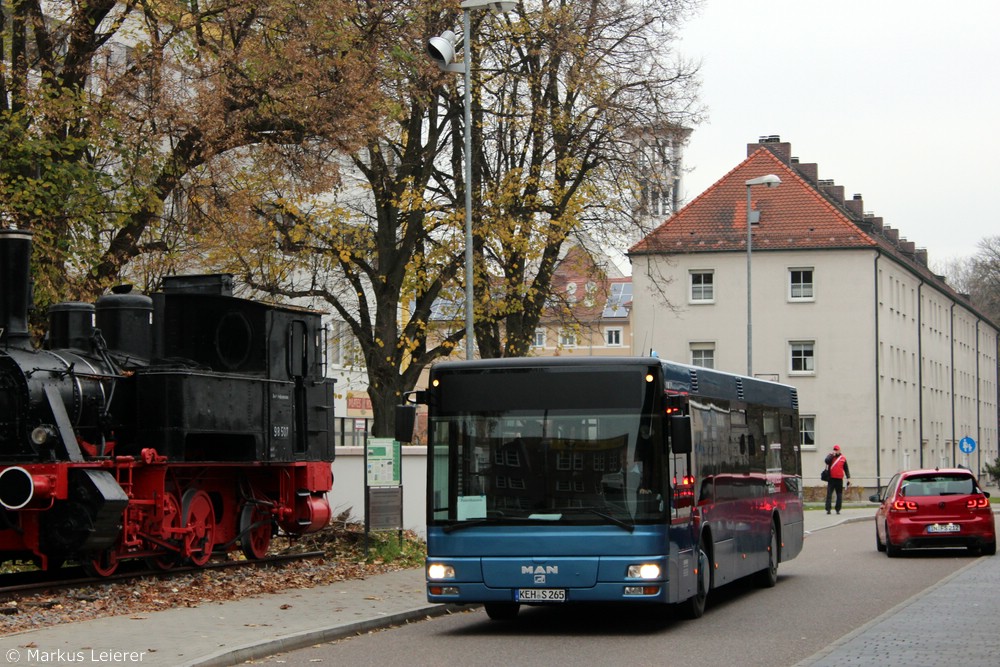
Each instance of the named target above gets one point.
<point>539,569</point>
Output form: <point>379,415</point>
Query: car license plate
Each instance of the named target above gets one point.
<point>541,595</point>
<point>944,528</point>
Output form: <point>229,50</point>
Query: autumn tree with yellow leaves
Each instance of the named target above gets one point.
<point>564,91</point>
<point>558,87</point>
<point>119,121</point>
<point>313,149</point>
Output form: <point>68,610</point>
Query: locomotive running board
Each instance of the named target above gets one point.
<point>63,423</point>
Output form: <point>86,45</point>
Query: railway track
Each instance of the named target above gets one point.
<point>18,584</point>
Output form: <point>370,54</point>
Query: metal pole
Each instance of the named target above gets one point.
<point>469,282</point>
<point>749,307</point>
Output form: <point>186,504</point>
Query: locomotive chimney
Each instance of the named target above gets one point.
<point>15,288</point>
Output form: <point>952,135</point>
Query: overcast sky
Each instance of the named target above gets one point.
<point>896,100</point>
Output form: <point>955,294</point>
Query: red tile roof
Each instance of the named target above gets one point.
<point>794,215</point>
<point>802,213</point>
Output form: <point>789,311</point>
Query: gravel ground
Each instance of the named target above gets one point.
<point>344,559</point>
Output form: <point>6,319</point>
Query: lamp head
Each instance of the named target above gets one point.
<point>442,49</point>
<point>495,5</point>
<point>770,181</point>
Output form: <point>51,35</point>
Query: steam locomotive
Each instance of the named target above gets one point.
<point>166,427</point>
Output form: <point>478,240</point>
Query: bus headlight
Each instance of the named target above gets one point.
<point>644,571</point>
<point>440,571</point>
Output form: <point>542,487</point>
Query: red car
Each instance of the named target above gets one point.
<point>934,508</point>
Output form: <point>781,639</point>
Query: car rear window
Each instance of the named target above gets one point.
<point>939,485</point>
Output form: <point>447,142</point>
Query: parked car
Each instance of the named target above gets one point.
<point>934,508</point>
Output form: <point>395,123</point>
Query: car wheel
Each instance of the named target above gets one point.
<point>891,550</point>
<point>989,548</point>
<point>502,611</point>
<point>879,544</point>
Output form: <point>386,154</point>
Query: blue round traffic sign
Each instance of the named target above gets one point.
<point>967,445</point>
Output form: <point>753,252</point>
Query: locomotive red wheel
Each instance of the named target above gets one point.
<point>199,518</point>
<point>255,530</point>
<point>162,562</point>
<point>167,530</point>
<point>102,565</point>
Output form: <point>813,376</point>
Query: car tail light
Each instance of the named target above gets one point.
<point>977,503</point>
<point>904,506</point>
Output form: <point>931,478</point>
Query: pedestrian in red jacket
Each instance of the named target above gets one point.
<point>836,463</point>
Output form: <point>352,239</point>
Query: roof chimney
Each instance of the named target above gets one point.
<point>834,192</point>
<point>856,205</point>
<point>15,288</point>
<point>809,171</point>
<point>772,142</point>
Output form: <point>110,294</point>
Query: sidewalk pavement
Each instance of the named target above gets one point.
<point>232,632</point>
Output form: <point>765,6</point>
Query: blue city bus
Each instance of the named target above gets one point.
<point>633,479</point>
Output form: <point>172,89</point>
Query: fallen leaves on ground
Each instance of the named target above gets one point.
<point>343,559</point>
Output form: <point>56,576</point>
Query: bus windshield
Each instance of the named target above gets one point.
<point>578,464</point>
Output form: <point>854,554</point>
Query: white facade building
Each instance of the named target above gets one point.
<point>889,361</point>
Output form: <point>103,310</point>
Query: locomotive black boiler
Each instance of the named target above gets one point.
<point>164,427</point>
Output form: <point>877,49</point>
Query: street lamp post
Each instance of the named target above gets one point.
<point>442,50</point>
<point>769,181</point>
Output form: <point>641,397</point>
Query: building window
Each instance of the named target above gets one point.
<point>807,431</point>
<point>702,286</point>
<point>802,357</point>
<point>703,354</point>
<point>800,284</point>
<point>539,338</point>
<point>344,348</point>
<point>613,336</point>
<point>569,461</point>
<point>567,338</point>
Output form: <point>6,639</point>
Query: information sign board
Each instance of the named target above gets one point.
<point>383,462</point>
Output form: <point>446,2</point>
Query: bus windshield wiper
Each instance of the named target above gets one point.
<point>452,527</point>
<point>548,517</point>
<point>627,525</point>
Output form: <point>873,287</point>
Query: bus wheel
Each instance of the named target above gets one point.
<point>502,611</point>
<point>768,577</point>
<point>694,606</point>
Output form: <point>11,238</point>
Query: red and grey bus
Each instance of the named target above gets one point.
<point>556,481</point>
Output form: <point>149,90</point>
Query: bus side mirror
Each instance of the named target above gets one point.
<point>680,434</point>
<point>406,417</point>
